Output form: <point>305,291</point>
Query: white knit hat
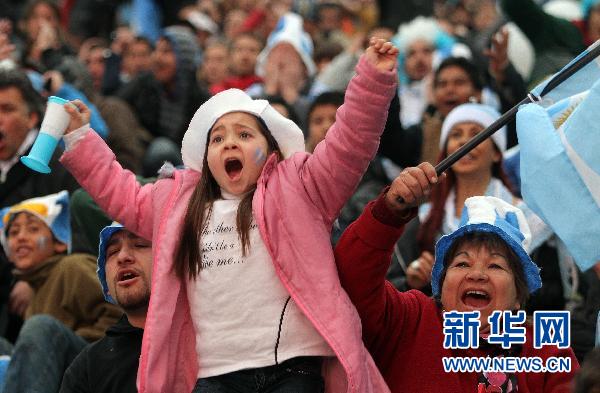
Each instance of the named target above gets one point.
<point>289,29</point>
<point>476,113</point>
<point>288,135</point>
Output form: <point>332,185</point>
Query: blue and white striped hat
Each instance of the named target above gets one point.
<point>491,215</point>
<point>105,235</point>
<point>52,209</point>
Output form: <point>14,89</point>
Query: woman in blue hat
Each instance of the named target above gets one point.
<point>478,173</point>
<point>481,267</point>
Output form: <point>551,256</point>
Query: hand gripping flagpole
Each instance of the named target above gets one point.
<point>447,162</point>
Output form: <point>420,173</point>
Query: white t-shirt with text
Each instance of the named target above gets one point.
<point>237,303</point>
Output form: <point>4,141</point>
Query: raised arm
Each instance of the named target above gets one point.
<point>363,256</point>
<point>95,167</point>
<point>331,174</point>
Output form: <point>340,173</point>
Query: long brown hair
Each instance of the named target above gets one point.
<point>188,254</point>
<point>429,229</point>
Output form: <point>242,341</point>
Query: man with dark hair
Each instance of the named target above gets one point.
<point>243,53</point>
<point>124,270</point>
<point>456,80</point>
<point>21,111</point>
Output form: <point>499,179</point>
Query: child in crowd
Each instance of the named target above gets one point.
<point>244,286</point>
<point>321,115</point>
<point>67,309</point>
<point>36,236</point>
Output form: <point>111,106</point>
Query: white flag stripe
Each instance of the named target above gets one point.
<point>587,174</point>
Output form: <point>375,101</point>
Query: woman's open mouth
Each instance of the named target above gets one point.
<point>476,299</point>
<point>233,168</point>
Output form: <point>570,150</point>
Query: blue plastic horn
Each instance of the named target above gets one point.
<point>55,122</point>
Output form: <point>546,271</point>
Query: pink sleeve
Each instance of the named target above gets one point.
<point>114,189</point>
<point>333,171</point>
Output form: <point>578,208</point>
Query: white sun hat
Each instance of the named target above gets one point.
<point>288,135</point>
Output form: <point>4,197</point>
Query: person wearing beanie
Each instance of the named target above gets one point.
<point>479,173</point>
<point>67,309</point>
<point>416,43</point>
<point>250,204</point>
<point>165,99</point>
<point>286,65</point>
<point>481,266</point>
<point>124,270</point>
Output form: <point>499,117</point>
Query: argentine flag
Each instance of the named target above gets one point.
<point>559,139</point>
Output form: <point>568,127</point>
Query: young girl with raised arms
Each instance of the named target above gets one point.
<point>245,292</point>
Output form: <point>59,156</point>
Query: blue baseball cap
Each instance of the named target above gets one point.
<point>105,235</point>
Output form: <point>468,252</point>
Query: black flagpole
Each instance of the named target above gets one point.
<point>593,52</point>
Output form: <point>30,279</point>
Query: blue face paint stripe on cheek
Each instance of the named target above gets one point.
<point>259,156</point>
<point>42,242</point>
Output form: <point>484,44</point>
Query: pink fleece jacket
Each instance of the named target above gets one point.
<point>295,205</point>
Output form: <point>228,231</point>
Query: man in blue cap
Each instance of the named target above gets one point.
<point>124,270</point>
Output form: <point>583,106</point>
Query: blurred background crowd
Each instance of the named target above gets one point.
<point>145,66</point>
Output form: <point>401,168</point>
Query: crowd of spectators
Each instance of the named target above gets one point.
<point>143,67</point>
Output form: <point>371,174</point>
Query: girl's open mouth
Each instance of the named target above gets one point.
<point>233,167</point>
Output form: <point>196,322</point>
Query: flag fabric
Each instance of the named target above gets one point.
<point>559,140</point>
<point>577,83</point>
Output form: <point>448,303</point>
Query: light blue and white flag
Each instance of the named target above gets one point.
<point>560,163</point>
<point>577,83</point>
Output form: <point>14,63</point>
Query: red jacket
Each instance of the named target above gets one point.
<point>404,331</point>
